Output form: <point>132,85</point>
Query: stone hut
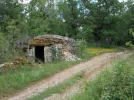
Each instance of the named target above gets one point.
<point>46,48</point>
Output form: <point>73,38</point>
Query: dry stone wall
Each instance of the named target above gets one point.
<point>55,47</point>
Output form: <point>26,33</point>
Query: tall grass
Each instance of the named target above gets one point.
<point>18,79</point>
<point>87,50</point>
<point>114,84</point>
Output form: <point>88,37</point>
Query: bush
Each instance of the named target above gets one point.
<point>80,46</point>
<point>115,84</point>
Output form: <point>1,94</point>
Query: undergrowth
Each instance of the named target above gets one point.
<point>17,79</point>
<point>114,84</point>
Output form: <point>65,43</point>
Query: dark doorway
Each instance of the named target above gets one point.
<point>39,53</point>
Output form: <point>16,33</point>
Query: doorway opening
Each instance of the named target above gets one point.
<point>39,53</point>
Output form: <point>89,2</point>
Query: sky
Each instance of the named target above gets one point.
<point>27,1</point>
<point>122,0</point>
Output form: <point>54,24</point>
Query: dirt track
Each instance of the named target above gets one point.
<point>89,76</point>
<point>60,77</point>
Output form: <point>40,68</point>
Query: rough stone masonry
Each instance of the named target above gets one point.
<point>50,47</point>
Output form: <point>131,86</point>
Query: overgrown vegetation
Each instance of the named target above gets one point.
<point>80,48</point>
<point>15,79</point>
<point>103,22</point>
<point>59,88</point>
<point>114,84</point>
<point>86,50</point>
<point>129,43</point>
<point>18,79</point>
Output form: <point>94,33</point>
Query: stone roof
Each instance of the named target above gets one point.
<point>44,40</point>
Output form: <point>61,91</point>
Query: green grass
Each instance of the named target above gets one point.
<point>17,79</point>
<point>97,51</point>
<point>116,83</point>
<point>59,88</point>
<point>90,52</point>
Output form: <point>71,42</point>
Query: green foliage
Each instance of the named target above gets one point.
<point>115,84</point>
<point>85,33</point>
<point>101,21</point>
<point>12,27</point>
<point>43,19</point>
<point>80,47</point>
<point>75,20</point>
<point>129,44</point>
<point>3,42</point>
<point>131,32</point>
<point>3,47</point>
<point>105,16</point>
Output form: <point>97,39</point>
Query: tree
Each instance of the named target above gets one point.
<point>3,47</point>
<point>129,15</point>
<point>69,12</point>
<point>105,16</point>
<point>75,19</point>
<point>42,17</point>
<point>12,25</point>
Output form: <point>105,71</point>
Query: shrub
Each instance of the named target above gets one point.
<point>129,44</point>
<point>114,84</point>
<point>80,46</point>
